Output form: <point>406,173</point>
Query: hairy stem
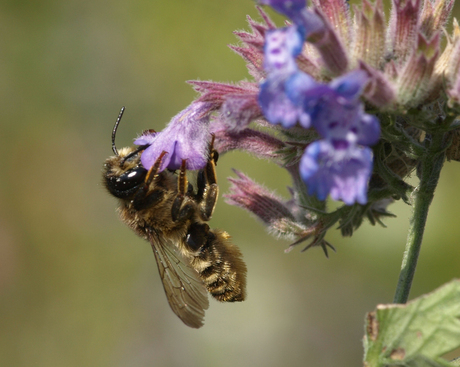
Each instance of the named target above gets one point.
<point>423,195</point>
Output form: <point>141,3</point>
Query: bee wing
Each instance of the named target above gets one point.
<point>184,289</point>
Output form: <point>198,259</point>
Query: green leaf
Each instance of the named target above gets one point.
<point>415,334</point>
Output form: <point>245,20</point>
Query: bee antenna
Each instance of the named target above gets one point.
<point>114,131</point>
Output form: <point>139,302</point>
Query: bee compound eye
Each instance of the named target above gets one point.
<point>127,181</point>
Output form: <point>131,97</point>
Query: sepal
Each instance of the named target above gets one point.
<point>255,142</point>
<point>403,28</point>
<point>416,81</point>
<point>330,47</point>
<point>369,42</point>
<point>435,15</point>
<point>338,13</point>
<point>265,205</point>
<point>380,91</point>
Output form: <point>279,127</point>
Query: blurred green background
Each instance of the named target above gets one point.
<point>77,287</point>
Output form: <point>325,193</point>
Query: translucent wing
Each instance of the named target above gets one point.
<point>184,289</point>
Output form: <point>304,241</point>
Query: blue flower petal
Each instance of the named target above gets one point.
<point>307,21</point>
<point>341,173</point>
<point>275,104</point>
<point>350,85</point>
<point>281,47</point>
<point>290,8</point>
<point>369,130</point>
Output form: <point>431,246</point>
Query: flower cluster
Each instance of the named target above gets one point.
<point>340,163</point>
<point>347,104</point>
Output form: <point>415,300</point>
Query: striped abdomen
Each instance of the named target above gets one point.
<point>221,267</point>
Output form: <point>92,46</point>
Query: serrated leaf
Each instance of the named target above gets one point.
<point>417,333</point>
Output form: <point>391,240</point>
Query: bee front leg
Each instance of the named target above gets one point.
<point>182,208</point>
<point>153,172</point>
<point>208,191</point>
<point>146,197</point>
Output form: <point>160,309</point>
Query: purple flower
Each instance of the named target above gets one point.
<point>290,8</point>
<point>327,103</point>
<point>297,11</point>
<point>339,119</point>
<point>338,165</point>
<point>334,109</point>
<point>281,48</point>
<point>185,137</point>
<point>304,92</point>
<point>351,85</point>
<point>277,107</point>
<point>342,171</point>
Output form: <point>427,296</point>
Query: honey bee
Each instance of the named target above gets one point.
<point>166,210</point>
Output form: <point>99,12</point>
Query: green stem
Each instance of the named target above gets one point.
<point>423,195</point>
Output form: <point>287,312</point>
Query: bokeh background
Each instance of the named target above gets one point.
<point>77,287</point>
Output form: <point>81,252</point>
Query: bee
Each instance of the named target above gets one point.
<point>166,210</point>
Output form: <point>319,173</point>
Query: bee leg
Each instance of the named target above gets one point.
<point>152,174</point>
<point>145,197</point>
<point>208,190</point>
<point>182,208</point>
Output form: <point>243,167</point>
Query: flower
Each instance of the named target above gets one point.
<point>340,170</point>
<point>290,8</point>
<point>333,83</point>
<point>338,114</point>
<point>185,138</point>
<point>289,96</point>
<point>297,11</point>
<point>337,164</point>
<point>281,48</point>
<point>276,105</point>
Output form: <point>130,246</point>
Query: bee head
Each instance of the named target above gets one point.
<point>123,173</point>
